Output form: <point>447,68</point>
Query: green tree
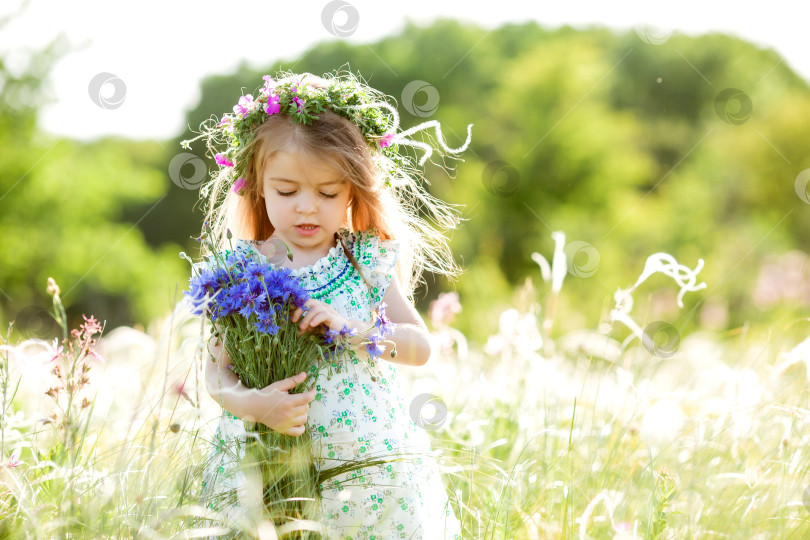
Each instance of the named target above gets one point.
<point>63,204</point>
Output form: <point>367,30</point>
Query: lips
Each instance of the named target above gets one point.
<point>307,229</point>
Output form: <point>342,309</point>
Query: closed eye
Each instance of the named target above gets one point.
<point>290,193</point>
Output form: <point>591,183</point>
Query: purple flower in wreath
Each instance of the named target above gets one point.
<point>300,105</point>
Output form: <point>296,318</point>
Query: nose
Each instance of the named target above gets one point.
<point>306,203</point>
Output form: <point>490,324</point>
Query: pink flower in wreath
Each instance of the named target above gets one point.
<point>386,140</point>
<point>239,185</point>
<point>267,89</point>
<point>227,122</point>
<point>222,160</point>
<point>244,105</point>
<point>272,106</point>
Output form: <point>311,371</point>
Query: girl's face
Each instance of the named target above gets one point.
<point>306,200</point>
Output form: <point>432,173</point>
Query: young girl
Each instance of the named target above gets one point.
<point>313,166</point>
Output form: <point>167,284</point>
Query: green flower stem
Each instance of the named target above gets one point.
<point>284,463</point>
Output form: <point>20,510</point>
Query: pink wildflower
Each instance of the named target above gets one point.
<point>180,386</point>
<point>239,185</point>
<point>180,389</point>
<point>443,309</point>
<point>14,460</point>
<point>222,160</point>
<point>97,356</point>
<point>623,528</point>
<point>56,349</point>
<point>91,326</point>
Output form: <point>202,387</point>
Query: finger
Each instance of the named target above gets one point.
<point>296,431</point>
<point>301,410</point>
<point>285,385</point>
<point>308,316</point>
<point>301,399</point>
<point>318,319</point>
<point>298,313</point>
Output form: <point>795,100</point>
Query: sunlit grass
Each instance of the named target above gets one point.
<point>592,434</point>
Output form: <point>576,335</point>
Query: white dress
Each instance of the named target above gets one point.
<point>358,411</point>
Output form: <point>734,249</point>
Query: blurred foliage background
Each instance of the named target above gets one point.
<point>630,147</point>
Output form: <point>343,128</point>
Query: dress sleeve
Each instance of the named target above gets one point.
<point>377,258</point>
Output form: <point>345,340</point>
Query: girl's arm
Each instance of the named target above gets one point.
<point>411,335</point>
<point>272,405</point>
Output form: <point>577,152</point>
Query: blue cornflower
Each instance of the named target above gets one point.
<point>384,325</point>
<point>267,325</point>
<point>374,348</point>
<point>237,283</point>
<point>232,299</point>
<point>330,336</point>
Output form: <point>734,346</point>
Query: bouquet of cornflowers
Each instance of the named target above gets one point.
<point>249,303</point>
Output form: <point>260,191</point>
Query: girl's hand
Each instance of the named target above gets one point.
<point>318,313</point>
<point>278,409</point>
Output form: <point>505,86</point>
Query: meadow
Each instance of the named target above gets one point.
<point>629,430</point>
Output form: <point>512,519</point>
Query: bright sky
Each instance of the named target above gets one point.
<point>161,49</point>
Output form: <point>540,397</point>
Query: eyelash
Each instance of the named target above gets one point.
<point>328,196</point>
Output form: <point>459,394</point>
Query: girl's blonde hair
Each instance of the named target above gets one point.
<point>394,211</point>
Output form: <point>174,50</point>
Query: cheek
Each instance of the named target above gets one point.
<point>275,203</point>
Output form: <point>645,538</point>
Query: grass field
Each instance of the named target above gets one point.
<point>577,436</point>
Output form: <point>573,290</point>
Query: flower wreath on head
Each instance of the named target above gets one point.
<point>346,96</point>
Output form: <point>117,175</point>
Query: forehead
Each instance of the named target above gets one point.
<point>295,168</point>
